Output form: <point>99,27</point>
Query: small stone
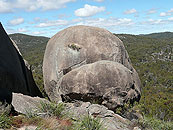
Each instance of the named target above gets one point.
<point>136,128</point>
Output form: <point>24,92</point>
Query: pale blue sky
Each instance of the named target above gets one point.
<point>47,17</point>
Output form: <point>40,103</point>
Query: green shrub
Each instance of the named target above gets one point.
<point>31,113</point>
<point>89,123</point>
<point>52,109</point>
<point>157,102</point>
<point>5,121</point>
<point>155,124</point>
<point>74,46</point>
<point>149,57</point>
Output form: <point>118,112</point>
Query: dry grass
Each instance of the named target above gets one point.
<point>51,123</point>
<point>21,120</point>
<point>55,124</point>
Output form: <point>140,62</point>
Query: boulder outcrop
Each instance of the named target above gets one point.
<point>104,82</point>
<point>89,63</point>
<point>15,75</point>
<point>109,119</point>
<point>77,112</point>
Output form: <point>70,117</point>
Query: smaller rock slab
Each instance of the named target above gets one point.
<point>23,103</point>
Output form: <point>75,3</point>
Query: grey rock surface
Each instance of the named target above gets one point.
<point>77,46</point>
<point>30,127</point>
<point>104,82</point>
<point>76,112</point>
<point>14,74</point>
<point>109,119</point>
<point>136,128</point>
<point>24,104</point>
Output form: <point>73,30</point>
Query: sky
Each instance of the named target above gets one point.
<point>47,17</point>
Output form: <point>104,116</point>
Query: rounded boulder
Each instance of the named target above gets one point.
<point>77,46</point>
<point>103,82</point>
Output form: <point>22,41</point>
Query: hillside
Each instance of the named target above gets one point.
<point>31,47</point>
<point>151,55</point>
<point>153,60</point>
<point>27,42</point>
<point>162,35</point>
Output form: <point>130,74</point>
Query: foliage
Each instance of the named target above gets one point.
<point>38,77</point>
<point>152,57</point>
<point>155,124</point>
<point>52,109</point>
<point>48,116</point>
<point>55,124</point>
<point>123,109</point>
<point>157,102</point>
<point>74,46</point>
<point>31,113</point>
<point>163,35</point>
<point>5,121</point>
<point>89,123</point>
<point>22,120</point>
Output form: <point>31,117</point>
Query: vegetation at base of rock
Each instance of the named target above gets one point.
<point>89,123</point>
<point>5,121</point>
<point>54,120</point>
<point>23,120</point>
<point>47,109</point>
<point>31,113</point>
<point>123,109</point>
<point>52,109</point>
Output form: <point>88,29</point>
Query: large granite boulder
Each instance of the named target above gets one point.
<point>14,74</point>
<point>104,82</point>
<point>69,73</point>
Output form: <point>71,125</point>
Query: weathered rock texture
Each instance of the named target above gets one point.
<point>24,104</point>
<point>105,82</point>
<point>109,119</point>
<point>70,75</point>
<point>14,74</point>
<point>77,110</point>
